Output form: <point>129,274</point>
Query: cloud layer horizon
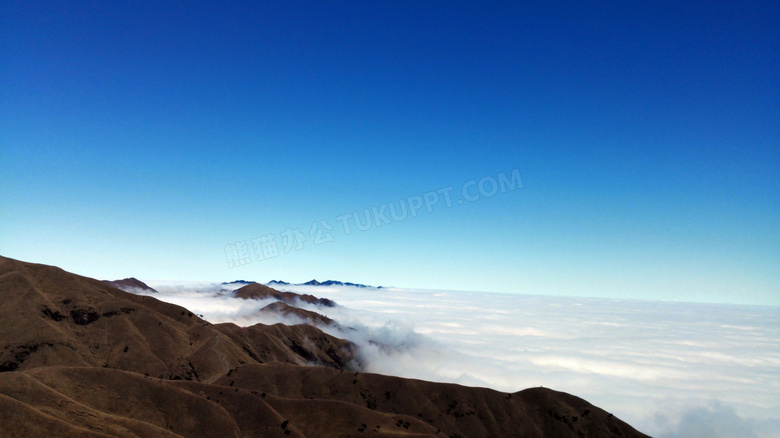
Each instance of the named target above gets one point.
<point>668,369</point>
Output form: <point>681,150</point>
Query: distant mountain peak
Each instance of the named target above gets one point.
<point>314,282</point>
<point>344,283</point>
<point>244,282</point>
<point>131,285</point>
<point>257,291</point>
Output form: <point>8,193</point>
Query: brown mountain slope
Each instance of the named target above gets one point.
<point>51,317</point>
<point>300,344</point>
<point>286,310</point>
<point>81,358</point>
<point>451,408</point>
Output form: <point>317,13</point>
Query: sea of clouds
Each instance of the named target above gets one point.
<point>669,369</point>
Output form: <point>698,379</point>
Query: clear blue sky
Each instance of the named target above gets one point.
<point>146,140</point>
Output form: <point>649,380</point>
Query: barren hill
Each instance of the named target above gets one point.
<point>307,316</point>
<point>257,291</point>
<point>51,317</point>
<point>79,357</point>
<point>130,285</point>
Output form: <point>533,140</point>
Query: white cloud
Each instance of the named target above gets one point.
<point>666,368</point>
<point>717,421</point>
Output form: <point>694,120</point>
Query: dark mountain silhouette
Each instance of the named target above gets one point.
<point>277,283</point>
<point>322,283</point>
<point>79,357</point>
<point>238,282</point>
<point>344,283</point>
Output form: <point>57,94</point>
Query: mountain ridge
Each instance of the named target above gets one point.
<point>83,358</point>
<point>314,282</point>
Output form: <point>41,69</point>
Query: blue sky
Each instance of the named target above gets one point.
<point>144,140</point>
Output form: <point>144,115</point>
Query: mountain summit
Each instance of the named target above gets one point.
<point>131,285</point>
